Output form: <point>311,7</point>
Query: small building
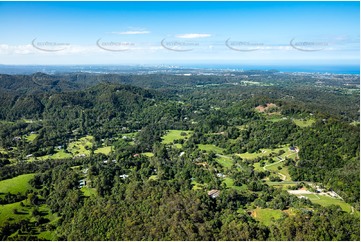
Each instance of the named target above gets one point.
<point>124,176</point>
<point>17,138</point>
<point>214,193</point>
<point>220,175</point>
<point>82,183</point>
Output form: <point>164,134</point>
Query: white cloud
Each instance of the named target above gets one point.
<point>132,32</point>
<point>193,36</point>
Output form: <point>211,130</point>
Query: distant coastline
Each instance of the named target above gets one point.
<point>50,69</point>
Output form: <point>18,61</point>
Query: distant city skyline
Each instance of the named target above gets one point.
<point>128,33</point>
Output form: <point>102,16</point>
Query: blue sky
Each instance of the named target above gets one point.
<point>262,33</point>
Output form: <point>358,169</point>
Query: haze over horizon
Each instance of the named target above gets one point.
<point>128,33</point>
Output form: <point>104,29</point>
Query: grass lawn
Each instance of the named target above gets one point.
<point>327,201</point>
<point>209,147</point>
<point>16,184</point>
<point>81,146</point>
<point>31,137</point>
<point>148,154</point>
<point>257,166</point>
<point>88,191</point>
<point>47,235</point>
<point>6,212</point>
<point>60,154</point>
<point>229,182</point>
<point>266,215</point>
<point>104,150</point>
<point>304,123</point>
<point>153,177</point>
<point>2,150</point>
<point>175,134</point>
<point>129,135</point>
<point>274,167</point>
<point>225,161</point>
<point>197,185</point>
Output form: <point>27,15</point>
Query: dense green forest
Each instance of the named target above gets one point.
<point>256,155</point>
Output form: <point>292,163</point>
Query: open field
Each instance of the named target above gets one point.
<point>225,161</point>
<point>266,215</point>
<point>153,177</point>
<point>327,201</point>
<point>7,212</point>
<point>209,147</point>
<point>304,123</point>
<point>24,212</point>
<point>31,137</point>
<point>81,146</point>
<point>88,191</point>
<point>197,186</point>
<point>175,134</point>
<point>104,150</point>
<point>275,118</point>
<point>60,154</point>
<point>129,135</point>
<point>16,184</point>
<point>265,152</point>
<point>148,154</point>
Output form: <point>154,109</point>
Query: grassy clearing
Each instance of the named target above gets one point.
<point>251,156</point>
<point>88,191</point>
<point>229,182</point>
<point>148,154</point>
<point>24,212</point>
<point>304,123</point>
<point>31,137</point>
<point>3,151</point>
<point>47,235</point>
<point>209,147</point>
<point>129,135</point>
<point>265,152</point>
<point>275,118</point>
<point>16,184</point>
<point>266,215</point>
<point>257,167</point>
<point>153,177</point>
<point>81,146</point>
<point>6,122</point>
<point>174,135</point>
<point>327,201</point>
<point>274,167</point>
<point>60,154</point>
<point>197,185</point>
<point>355,123</point>
<point>225,161</point>
<point>104,150</point>
<point>7,212</point>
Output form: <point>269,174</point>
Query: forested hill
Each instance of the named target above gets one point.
<point>104,97</point>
